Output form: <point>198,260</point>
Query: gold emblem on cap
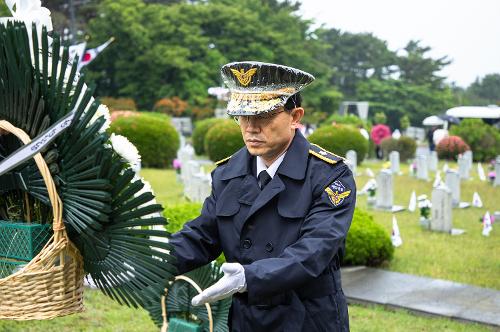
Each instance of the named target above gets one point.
<point>244,77</point>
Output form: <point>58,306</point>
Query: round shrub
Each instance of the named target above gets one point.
<point>177,215</point>
<point>349,119</point>
<point>482,138</point>
<point>222,140</point>
<point>406,146</point>
<point>339,139</point>
<point>450,147</point>
<point>388,145</point>
<point>367,242</point>
<point>200,132</point>
<point>153,135</point>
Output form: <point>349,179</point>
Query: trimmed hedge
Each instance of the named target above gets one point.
<point>153,135</point>
<point>450,147</point>
<point>223,140</point>
<point>483,139</point>
<point>339,139</point>
<point>367,242</point>
<point>177,215</point>
<point>406,146</point>
<point>200,132</point>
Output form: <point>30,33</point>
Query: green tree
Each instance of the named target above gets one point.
<point>486,90</point>
<point>396,98</point>
<point>355,57</point>
<point>416,68</point>
<point>177,50</point>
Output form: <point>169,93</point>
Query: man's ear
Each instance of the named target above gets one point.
<point>297,114</point>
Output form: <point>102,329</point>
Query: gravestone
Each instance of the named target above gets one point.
<point>452,181</point>
<point>385,195</point>
<point>463,167</point>
<point>441,210</point>
<point>497,172</point>
<point>202,187</point>
<point>422,171</point>
<point>185,154</point>
<point>192,168</point>
<point>352,160</point>
<point>394,159</point>
<point>422,151</point>
<point>468,156</point>
<point>433,161</point>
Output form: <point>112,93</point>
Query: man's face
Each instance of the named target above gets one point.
<point>269,135</point>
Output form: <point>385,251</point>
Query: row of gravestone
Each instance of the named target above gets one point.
<point>441,201</point>
<point>197,184</point>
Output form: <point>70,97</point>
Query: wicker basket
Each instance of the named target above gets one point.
<point>51,284</point>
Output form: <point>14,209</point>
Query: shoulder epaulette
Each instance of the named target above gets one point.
<point>324,155</point>
<point>222,161</point>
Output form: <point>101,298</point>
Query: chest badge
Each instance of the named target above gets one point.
<point>337,193</point>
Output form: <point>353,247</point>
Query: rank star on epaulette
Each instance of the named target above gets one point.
<point>337,192</point>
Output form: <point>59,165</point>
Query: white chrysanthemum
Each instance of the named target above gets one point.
<point>29,12</point>
<point>424,204</point>
<point>127,151</point>
<point>102,110</point>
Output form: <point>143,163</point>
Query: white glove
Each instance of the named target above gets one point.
<point>233,281</point>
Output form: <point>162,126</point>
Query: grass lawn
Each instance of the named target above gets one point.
<point>468,258</point>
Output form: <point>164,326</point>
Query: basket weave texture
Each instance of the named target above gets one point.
<point>51,284</point>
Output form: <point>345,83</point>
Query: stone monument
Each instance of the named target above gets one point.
<point>441,210</point>
<point>394,159</point>
<point>352,160</point>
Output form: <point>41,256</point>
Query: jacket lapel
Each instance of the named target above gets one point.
<point>293,166</point>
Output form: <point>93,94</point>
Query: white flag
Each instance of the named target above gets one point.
<point>487,224</point>
<point>413,202</point>
<point>371,184</point>
<point>369,173</point>
<point>480,172</point>
<point>92,53</point>
<point>437,180</point>
<point>476,200</point>
<point>395,237</point>
<point>445,167</point>
<point>76,50</point>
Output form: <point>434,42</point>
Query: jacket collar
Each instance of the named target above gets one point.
<point>295,163</point>
<point>293,166</point>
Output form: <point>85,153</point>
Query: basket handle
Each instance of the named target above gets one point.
<point>190,281</point>
<point>55,200</point>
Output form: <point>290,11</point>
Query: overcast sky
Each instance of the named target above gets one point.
<point>467,31</point>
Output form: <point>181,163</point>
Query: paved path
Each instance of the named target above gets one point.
<point>422,295</point>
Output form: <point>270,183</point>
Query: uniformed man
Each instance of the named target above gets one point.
<point>280,210</point>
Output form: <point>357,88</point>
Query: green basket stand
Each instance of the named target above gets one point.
<point>8,266</point>
<point>181,325</point>
<point>23,241</point>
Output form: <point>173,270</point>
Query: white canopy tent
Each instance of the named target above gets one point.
<point>476,112</point>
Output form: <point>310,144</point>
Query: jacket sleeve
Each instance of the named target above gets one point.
<point>322,234</point>
<point>198,243</point>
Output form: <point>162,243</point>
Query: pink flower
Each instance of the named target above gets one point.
<point>492,175</point>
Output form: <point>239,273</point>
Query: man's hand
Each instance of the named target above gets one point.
<point>233,281</point>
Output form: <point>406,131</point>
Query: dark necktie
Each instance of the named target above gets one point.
<point>264,179</point>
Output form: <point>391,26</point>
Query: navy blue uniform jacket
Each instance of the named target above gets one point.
<point>288,237</point>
